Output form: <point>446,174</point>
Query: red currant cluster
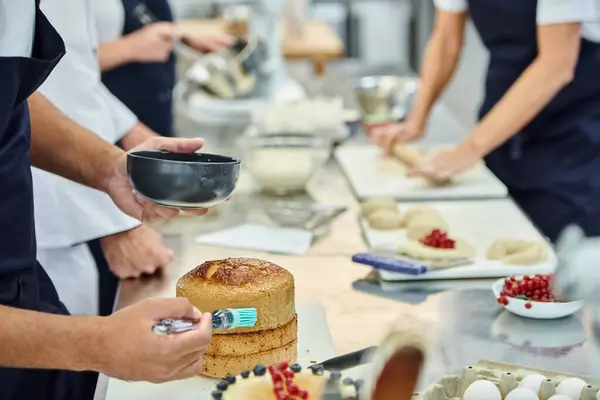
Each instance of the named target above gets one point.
<point>283,383</point>
<point>439,240</point>
<point>535,288</point>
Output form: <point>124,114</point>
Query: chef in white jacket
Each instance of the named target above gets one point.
<point>69,215</point>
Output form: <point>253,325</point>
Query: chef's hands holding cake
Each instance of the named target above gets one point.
<point>127,348</point>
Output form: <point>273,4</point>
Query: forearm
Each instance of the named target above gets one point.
<point>114,54</point>
<point>61,146</point>
<point>140,133</point>
<point>439,63</point>
<point>528,96</point>
<point>38,340</point>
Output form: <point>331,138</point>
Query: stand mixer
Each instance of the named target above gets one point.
<point>275,86</point>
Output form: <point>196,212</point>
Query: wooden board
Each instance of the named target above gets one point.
<point>372,175</point>
<point>317,41</point>
<point>479,223</point>
<point>314,344</point>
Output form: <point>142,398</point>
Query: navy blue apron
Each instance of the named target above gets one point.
<point>23,283</point>
<point>146,88</point>
<point>551,167</point>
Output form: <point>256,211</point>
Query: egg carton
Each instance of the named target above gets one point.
<point>506,377</point>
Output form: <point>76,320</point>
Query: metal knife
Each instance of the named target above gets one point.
<point>347,361</point>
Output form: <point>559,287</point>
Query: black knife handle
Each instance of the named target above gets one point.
<point>347,361</point>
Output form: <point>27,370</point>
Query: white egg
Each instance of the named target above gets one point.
<point>521,394</point>
<point>482,390</point>
<point>598,395</point>
<point>532,382</point>
<point>559,397</point>
<point>571,387</point>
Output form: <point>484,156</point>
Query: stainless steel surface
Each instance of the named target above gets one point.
<point>463,316</point>
<point>386,98</point>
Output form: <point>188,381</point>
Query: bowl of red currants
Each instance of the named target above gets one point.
<point>531,296</point>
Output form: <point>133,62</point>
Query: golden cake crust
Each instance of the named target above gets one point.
<point>253,342</point>
<point>218,366</point>
<point>242,283</point>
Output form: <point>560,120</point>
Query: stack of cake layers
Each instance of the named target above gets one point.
<point>245,283</point>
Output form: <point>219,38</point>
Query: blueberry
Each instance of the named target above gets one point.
<point>245,374</point>
<point>222,386</point>
<point>358,383</point>
<point>317,369</point>
<point>217,395</point>
<point>259,370</point>
<point>296,368</point>
<point>335,376</point>
<point>230,379</point>
<point>348,381</point>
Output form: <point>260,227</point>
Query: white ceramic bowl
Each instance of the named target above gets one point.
<point>538,310</point>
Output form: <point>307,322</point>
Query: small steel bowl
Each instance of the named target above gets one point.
<point>384,99</point>
<point>190,181</point>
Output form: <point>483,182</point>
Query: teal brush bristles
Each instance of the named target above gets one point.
<point>231,318</point>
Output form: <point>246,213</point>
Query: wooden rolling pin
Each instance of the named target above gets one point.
<point>413,157</point>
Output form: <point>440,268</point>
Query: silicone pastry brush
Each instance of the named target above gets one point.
<point>229,318</point>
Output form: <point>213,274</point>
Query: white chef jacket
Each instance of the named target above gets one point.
<point>109,17</point>
<point>587,12</point>
<point>68,214</point>
<point>17,26</point>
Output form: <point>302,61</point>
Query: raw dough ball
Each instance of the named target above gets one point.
<point>518,251</point>
<point>378,203</point>
<point>417,250</point>
<point>385,219</point>
<point>412,211</point>
<point>422,225</point>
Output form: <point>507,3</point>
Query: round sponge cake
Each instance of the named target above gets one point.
<point>245,283</point>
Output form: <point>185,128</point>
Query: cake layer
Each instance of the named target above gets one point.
<point>221,366</point>
<point>242,283</point>
<point>253,342</point>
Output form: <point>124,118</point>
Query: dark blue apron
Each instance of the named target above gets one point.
<point>146,88</point>
<point>23,283</point>
<point>551,167</point>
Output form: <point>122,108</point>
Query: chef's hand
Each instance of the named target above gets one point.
<point>135,252</point>
<point>448,163</point>
<point>129,350</point>
<point>131,203</point>
<point>208,43</point>
<point>387,136</point>
<point>152,43</point>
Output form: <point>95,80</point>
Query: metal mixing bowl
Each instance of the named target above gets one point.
<point>193,180</point>
<point>385,99</point>
<point>233,73</point>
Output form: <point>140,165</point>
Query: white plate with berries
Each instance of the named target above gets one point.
<point>530,296</point>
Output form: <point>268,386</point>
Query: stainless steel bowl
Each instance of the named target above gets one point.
<point>385,99</point>
<point>233,73</point>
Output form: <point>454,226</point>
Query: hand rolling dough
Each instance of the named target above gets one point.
<point>423,224</point>
<point>385,219</point>
<point>417,250</point>
<point>518,251</point>
<point>377,203</point>
<point>413,157</point>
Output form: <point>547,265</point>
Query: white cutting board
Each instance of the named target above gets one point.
<point>479,223</point>
<point>314,344</point>
<point>372,175</point>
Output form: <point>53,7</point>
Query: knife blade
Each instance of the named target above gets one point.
<point>347,361</point>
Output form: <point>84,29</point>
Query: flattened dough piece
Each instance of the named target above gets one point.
<point>422,225</point>
<point>377,203</point>
<point>416,209</point>
<point>518,251</point>
<point>535,254</point>
<point>385,219</point>
<point>417,250</point>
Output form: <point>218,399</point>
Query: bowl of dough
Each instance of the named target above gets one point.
<point>284,163</point>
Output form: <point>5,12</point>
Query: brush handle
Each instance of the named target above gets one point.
<point>390,264</point>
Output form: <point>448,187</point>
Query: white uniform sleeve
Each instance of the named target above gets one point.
<point>562,11</point>
<point>123,119</point>
<point>451,5</point>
